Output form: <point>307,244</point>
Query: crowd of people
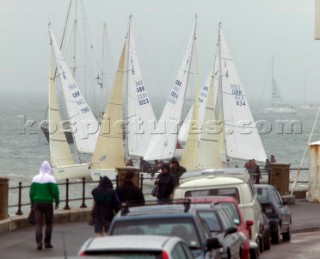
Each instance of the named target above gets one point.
<point>254,169</point>
<point>44,193</point>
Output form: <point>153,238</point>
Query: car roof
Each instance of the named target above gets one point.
<point>165,210</point>
<point>212,199</point>
<point>263,186</point>
<point>227,172</point>
<point>130,242</point>
<point>211,181</point>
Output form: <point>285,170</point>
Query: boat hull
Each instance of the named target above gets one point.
<point>280,110</point>
<point>77,171</point>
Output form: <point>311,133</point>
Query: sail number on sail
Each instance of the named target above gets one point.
<point>237,92</point>
<point>175,92</point>
<point>142,95</point>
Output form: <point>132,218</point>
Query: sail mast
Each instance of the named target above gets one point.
<point>221,96</point>
<point>125,91</point>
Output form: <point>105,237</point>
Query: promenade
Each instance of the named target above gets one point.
<point>68,237</point>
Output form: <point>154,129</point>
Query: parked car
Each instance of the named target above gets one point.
<point>222,227</point>
<point>234,182</point>
<point>151,247</point>
<point>232,208</point>
<point>278,213</point>
<point>181,220</point>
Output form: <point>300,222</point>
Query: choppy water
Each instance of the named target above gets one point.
<point>22,152</point>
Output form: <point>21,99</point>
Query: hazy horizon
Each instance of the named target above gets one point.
<point>256,31</point>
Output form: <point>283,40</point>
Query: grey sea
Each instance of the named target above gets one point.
<point>24,147</point>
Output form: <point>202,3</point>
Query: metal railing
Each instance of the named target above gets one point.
<point>82,193</point>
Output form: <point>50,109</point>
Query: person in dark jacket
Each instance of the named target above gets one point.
<point>166,184</point>
<point>106,204</point>
<point>128,192</point>
<point>176,170</point>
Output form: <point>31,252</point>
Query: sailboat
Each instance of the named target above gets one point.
<point>62,162</point>
<point>81,119</point>
<point>277,103</point>
<point>163,143</point>
<point>241,137</point>
<point>136,111</point>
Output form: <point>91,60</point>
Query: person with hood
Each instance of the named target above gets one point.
<point>176,170</point>
<point>106,204</point>
<point>166,184</point>
<point>43,191</point>
<point>130,193</point>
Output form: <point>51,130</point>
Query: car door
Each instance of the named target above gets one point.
<point>284,212</point>
<point>234,240</point>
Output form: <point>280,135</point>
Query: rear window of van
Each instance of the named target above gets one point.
<point>233,192</point>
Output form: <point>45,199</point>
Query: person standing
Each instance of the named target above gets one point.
<point>176,170</point>
<point>43,191</point>
<point>166,184</point>
<point>128,192</point>
<point>106,204</point>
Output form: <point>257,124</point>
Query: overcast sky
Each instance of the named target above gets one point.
<point>256,30</point>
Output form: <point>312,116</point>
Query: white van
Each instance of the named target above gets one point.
<point>233,182</point>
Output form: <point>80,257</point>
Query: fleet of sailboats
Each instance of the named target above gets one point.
<point>227,130</point>
<point>221,129</point>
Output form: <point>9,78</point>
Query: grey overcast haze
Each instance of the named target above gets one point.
<point>256,31</point>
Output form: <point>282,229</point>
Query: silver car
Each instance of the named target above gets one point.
<point>136,246</point>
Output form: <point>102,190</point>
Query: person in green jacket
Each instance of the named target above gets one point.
<point>43,191</point>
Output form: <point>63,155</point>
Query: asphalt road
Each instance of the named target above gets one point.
<point>302,246</point>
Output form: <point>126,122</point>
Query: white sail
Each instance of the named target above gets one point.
<point>63,165</point>
<point>163,143</point>
<point>83,123</point>
<point>109,151</point>
<point>140,115</point>
<point>242,139</point>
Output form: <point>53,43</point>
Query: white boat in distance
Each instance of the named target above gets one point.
<point>277,103</point>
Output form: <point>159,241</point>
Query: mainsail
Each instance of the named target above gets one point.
<point>59,149</point>
<point>242,140</point>
<point>63,165</point>
<point>83,123</point>
<point>163,143</point>
<point>140,115</point>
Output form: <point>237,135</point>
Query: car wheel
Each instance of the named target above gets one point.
<point>261,245</point>
<point>267,242</point>
<point>275,236</point>
<point>254,253</point>
<point>287,235</point>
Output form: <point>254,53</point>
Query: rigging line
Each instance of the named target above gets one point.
<point>305,151</point>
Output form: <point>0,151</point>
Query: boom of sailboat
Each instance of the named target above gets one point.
<point>219,127</point>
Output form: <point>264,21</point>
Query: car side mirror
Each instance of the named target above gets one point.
<point>230,230</point>
<point>249,223</point>
<point>213,243</point>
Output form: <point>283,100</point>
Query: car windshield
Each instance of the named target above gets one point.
<point>183,228</point>
<point>232,211</point>
<point>212,220</point>
<point>262,195</point>
<point>233,192</point>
